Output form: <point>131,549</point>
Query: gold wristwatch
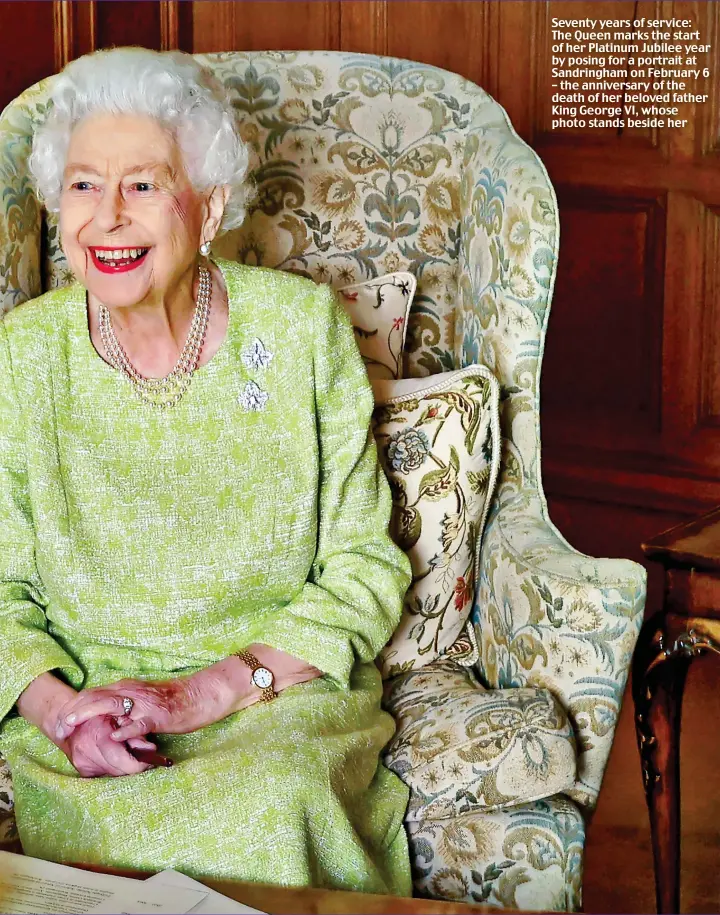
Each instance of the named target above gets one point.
<point>260,676</point>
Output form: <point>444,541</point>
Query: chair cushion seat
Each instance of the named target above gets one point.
<point>524,858</point>
<point>8,830</point>
<point>461,747</point>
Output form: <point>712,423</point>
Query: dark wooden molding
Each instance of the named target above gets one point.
<point>627,480</point>
<point>64,32</point>
<point>169,25</point>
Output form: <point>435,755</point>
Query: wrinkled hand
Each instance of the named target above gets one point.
<point>184,704</point>
<point>159,707</point>
<point>91,748</point>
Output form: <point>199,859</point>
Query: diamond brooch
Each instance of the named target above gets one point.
<point>253,398</point>
<point>256,356</point>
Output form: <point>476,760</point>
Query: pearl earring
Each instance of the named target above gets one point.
<point>205,248</point>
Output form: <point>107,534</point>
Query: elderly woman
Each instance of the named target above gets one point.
<point>194,555</point>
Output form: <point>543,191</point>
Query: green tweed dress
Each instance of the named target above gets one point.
<point>137,542</point>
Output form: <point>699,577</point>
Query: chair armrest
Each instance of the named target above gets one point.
<point>550,617</point>
<point>460,747</point>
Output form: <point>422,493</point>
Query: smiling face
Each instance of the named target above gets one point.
<point>131,222</point>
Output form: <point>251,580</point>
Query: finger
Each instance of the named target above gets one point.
<point>137,728</point>
<point>92,706</point>
<point>119,759</point>
<point>87,758</point>
<point>84,766</point>
<point>140,743</point>
<point>62,730</point>
<point>84,696</point>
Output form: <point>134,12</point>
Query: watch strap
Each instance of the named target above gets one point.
<point>267,694</point>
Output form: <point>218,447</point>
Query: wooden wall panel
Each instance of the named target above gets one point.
<point>213,26</point>
<point>547,84</point>
<point>512,61</point>
<point>27,47</point>
<point>690,366</point>
<point>602,369</point>
<point>710,363</point>
<point>363,26</point>
<point>76,28</point>
<point>256,25</point>
<point>452,34</point>
<point>709,114</point>
<point>125,22</point>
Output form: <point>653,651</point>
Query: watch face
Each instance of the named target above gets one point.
<point>262,678</point>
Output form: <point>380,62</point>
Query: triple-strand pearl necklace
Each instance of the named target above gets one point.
<point>167,391</point>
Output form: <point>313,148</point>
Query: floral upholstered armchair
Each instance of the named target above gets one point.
<point>366,165</point>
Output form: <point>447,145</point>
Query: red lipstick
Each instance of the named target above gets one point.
<point>116,266</point>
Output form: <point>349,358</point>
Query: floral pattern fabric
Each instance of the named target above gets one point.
<point>548,618</point>
<point>379,310</point>
<point>460,747</point>
<point>439,444</point>
<point>526,858</point>
<point>368,165</point>
<point>8,830</point>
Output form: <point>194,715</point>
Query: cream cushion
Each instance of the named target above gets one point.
<point>439,443</point>
<point>379,309</point>
<point>461,747</point>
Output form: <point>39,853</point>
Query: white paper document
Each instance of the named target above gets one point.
<point>213,903</point>
<point>31,886</point>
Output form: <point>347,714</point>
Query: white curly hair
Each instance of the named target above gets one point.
<point>171,87</point>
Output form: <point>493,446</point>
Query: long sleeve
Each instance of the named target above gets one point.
<point>26,648</point>
<point>352,601</point>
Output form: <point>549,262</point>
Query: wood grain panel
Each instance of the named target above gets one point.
<point>625,479</point>
<point>547,84</point>
<point>684,144</point>
<point>125,22</point>
<point>710,111</point>
<point>285,26</point>
<point>452,35</point>
<point>710,374</point>
<point>602,368</point>
<point>75,29</point>
<point>213,26</point>
<point>27,47</point>
<point>691,430</point>
<point>512,61</point>
<point>363,26</point>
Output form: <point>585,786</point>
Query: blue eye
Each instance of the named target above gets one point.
<point>143,187</point>
<point>81,186</point>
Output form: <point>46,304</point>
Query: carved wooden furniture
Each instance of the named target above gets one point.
<point>687,626</point>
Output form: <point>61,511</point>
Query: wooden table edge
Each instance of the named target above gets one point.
<point>289,900</point>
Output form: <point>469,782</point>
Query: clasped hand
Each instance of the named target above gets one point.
<point>95,732</point>
<point>97,735</point>
<point>90,747</point>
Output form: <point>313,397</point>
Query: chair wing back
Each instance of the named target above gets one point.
<point>364,165</point>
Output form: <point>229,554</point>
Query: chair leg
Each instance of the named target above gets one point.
<point>659,676</point>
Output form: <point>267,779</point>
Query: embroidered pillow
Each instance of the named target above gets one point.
<point>460,747</point>
<point>379,309</point>
<point>439,443</point>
